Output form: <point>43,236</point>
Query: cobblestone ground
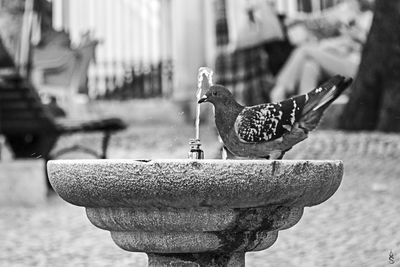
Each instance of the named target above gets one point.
<point>358,226</point>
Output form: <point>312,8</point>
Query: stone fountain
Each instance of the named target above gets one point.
<point>202,212</point>
<point>194,212</point>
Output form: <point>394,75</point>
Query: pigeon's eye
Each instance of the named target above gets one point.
<point>214,93</point>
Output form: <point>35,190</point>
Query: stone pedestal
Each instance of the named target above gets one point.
<point>195,213</point>
<point>197,259</point>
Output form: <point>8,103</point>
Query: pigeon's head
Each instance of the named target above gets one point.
<point>217,94</point>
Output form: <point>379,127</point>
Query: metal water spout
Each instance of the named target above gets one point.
<point>195,149</point>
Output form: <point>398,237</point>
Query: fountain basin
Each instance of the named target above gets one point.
<point>194,211</point>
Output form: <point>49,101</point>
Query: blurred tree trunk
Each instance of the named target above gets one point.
<point>375,98</point>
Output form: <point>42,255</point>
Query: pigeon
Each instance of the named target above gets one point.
<point>269,130</point>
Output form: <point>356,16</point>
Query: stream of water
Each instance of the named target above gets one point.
<point>204,72</point>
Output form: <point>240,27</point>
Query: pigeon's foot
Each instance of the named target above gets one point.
<point>276,155</point>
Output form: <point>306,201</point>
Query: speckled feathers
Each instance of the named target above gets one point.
<point>268,121</point>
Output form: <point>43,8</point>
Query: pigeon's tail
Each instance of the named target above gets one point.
<point>320,98</point>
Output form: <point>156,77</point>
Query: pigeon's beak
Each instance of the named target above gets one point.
<point>203,99</point>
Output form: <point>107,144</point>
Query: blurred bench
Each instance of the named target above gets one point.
<point>31,130</point>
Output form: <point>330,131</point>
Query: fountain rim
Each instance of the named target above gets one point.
<point>176,160</point>
<point>188,183</point>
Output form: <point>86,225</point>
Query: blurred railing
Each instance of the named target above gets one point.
<point>134,54</point>
<point>139,83</point>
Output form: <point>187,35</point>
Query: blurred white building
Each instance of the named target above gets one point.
<point>139,33</point>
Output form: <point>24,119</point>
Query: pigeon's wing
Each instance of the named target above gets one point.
<point>267,122</point>
<point>258,123</point>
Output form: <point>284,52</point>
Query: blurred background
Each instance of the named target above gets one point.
<point>117,79</point>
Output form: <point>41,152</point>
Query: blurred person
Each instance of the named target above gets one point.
<point>247,31</point>
<point>313,59</point>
